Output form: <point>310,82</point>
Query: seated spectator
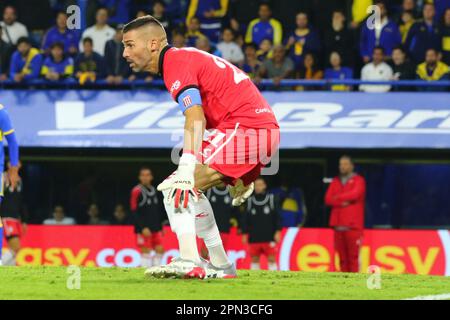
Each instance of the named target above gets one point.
<point>89,65</point>
<point>403,69</point>
<point>6,50</point>
<point>423,35</point>
<point>278,68</point>
<point>100,32</point>
<point>339,39</point>
<point>337,71</point>
<point>210,14</point>
<point>310,69</point>
<point>59,217</point>
<point>251,63</point>
<point>117,67</point>
<point>159,12</point>
<point>302,40</point>
<point>193,32</point>
<point>446,38</point>
<point>94,216</point>
<point>57,66</point>
<point>178,40</point>
<point>26,62</point>
<point>229,49</point>
<point>265,50</point>
<point>264,27</point>
<point>386,35</point>
<point>12,29</point>
<point>204,45</point>
<point>120,216</point>
<point>60,33</point>
<point>377,70</point>
<point>407,21</point>
<point>432,69</point>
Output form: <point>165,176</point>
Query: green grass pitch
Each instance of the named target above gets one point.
<point>116,283</point>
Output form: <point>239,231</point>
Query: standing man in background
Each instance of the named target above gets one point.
<point>346,197</point>
<point>7,131</point>
<point>261,226</point>
<point>14,217</point>
<point>147,211</point>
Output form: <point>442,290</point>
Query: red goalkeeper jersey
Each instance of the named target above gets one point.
<point>226,93</point>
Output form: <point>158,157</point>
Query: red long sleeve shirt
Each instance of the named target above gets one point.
<point>354,193</point>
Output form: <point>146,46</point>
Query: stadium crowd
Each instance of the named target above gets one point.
<point>275,40</point>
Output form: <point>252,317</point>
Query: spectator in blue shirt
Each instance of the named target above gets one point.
<point>60,33</point>
<point>26,62</point>
<point>118,10</point>
<point>337,71</point>
<point>292,205</point>
<point>386,34</point>
<point>424,35</point>
<point>57,66</point>
<point>302,40</point>
<point>89,65</point>
<point>264,27</point>
<point>210,13</point>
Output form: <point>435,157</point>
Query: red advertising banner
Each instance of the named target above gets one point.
<point>394,251</point>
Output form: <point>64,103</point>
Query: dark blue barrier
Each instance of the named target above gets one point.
<point>265,84</point>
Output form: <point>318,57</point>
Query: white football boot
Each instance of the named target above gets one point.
<point>212,271</point>
<point>177,268</point>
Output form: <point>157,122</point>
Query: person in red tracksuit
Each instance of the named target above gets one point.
<point>346,197</point>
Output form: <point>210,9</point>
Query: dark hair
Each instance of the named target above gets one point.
<point>57,44</point>
<point>145,168</point>
<point>349,158</point>
<point>88,39</point>
<point>251,45</point>
<point>23,40</point>
<point>399,47</point>
<point>140,22</point>
<point>61,12</point>
<point>265,4</point>
<point>378,48</point>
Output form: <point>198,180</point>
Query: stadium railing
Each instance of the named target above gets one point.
<point>264,84</point>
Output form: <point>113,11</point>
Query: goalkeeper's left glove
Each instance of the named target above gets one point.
<point>182,183</point>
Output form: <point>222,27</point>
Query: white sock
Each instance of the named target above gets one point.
<point>9,258</point>
<point>157,259</point>
<point>218,256</point>
<point>146,260</point>
<point>206,228</point>
<point>273,266</point>
<point>188,247</point>
<point>182,223</point>
<point>254,266</point>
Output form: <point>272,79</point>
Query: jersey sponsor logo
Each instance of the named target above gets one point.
<point>187,101</point>
<point>175,86</point>
<point>263,110</point>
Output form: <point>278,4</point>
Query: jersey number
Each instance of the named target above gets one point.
<point>237,73</point>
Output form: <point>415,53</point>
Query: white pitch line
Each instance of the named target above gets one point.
<point>444,296</point>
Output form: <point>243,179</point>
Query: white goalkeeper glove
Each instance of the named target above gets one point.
<point>241,193</point>
<point>182,183</point>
